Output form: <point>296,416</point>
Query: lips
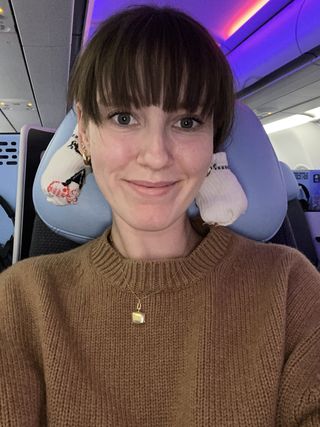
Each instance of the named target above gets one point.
<point>150,188</point>
<point>150,184</point>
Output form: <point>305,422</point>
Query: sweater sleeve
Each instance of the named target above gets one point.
<point>299,392</point>
<point>21,382</point>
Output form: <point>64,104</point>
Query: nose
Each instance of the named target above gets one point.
<point>155,150</point>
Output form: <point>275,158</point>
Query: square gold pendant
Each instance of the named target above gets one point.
<point>138,317</point>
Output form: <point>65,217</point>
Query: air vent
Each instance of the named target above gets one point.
<point>8,153</point>
<point>4,24</point>
<point>6,17</point>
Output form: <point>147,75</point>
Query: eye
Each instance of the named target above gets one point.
<point>189,123</point>
<point>123,119</point>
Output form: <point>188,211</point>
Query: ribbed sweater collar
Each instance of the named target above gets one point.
<point>145,276</point>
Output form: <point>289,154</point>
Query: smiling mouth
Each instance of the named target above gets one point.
<point>149,184</point>
<point>149,188</point>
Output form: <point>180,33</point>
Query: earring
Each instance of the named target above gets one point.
<point>86,159</point>
<point>221,199</point>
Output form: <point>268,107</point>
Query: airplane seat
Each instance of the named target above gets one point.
<point>251,158</point>
<point>33,142</point>
<point>285,234</point>
<point>296,222</point>
<point>42,234</point>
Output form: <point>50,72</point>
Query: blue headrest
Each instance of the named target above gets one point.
<point>251,158</point>
<point>290,181</point>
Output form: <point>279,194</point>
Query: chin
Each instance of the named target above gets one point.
<point>156,221</point>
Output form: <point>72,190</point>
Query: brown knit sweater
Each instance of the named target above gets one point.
<point>231,338</point>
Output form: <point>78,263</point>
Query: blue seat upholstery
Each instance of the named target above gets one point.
<point>291,183</point>
<point>251,158</point>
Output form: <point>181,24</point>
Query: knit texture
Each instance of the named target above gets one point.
<point>231,338</point>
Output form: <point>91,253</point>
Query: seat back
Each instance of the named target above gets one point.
<point>301,231</point>
<point>33,142</point>
<point>6,247</point>
<point>45,241</point>
<point>295,229</point>
<point>251,158</point>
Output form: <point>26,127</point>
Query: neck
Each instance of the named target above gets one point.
<point>178,240</point>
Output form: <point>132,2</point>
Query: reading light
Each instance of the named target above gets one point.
<point>293,121</point>
<point>15,104</point>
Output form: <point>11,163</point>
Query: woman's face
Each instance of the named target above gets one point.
<point>149,164</point>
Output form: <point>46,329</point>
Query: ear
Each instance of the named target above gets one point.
<point>84,141</point>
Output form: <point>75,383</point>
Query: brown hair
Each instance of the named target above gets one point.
<point>148,55</point>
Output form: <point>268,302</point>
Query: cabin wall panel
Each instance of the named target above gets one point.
<point>298,146</point>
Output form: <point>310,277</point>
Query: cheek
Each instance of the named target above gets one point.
<point>200,157</point>
<point>109,154</point>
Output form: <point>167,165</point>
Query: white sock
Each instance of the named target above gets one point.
<point>221,199</point>
<point>64,176</point>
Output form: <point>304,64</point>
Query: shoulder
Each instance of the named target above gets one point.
<point>31,274</point>
<point>279,264</point>
<point>271,262</point>
<point>287,274</point>
<point>267,252</point>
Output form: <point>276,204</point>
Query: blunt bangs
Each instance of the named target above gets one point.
<point>148,55</point>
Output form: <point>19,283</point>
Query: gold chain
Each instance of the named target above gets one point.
<point>137,316</point>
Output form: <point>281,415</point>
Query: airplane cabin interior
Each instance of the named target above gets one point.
<point>272,46</point>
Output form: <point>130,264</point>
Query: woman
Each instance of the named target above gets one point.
<point>158,322</point>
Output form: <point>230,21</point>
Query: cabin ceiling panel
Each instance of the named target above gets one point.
<point>47,45</point>
<point>49,75</point>
<point>14,81</point>
<point>217,16</point>
<point>5,126</point>
<point>20,118</point>
<point>222,18</point>
<point>6,20</point>
<point>212,14</point>
<point>45,22</point>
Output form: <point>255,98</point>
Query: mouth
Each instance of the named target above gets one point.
<point>150,184</point>
<point>158,188</point>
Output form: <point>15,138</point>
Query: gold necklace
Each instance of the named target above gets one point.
<point>137,316</point>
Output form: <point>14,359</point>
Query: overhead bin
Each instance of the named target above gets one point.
<point>308,25</point>
<point>294,31</point>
